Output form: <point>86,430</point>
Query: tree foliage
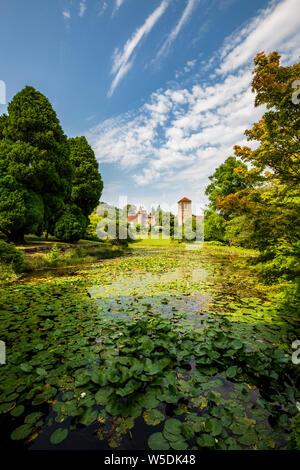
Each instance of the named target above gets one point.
<point>265,213</point>
<point>46,181</point>
<point>87,184</point>
<point>214,226</point>
<point>35,169</point>
<point>278,132</point>
<point>227,179</point>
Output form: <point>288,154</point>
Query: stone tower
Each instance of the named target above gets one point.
<point>184,210</point>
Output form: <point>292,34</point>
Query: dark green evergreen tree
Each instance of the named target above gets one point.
<point>35,168</point>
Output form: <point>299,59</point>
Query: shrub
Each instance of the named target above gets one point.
<point>71,226</point>
<point>11,256</point>
<point>280,261</point>
<point>53,255</point>
<point>91,233</point>
<point>214,226</point>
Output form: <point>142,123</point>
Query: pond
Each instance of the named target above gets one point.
<point>164,349</point>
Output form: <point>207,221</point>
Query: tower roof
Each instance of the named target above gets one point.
<point>184,199</point>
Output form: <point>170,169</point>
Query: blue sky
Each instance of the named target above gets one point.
<point>161,88</point>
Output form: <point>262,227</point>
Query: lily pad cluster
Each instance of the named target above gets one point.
<point>212,375</point>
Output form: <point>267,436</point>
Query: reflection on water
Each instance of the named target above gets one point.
<point>133,293</point>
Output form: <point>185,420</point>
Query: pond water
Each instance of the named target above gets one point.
<point>166,348</point>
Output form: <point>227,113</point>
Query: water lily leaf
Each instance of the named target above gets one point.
<point>132,410</point>
<point>17,411</point>
<point>146,344</point>
<point>58,436</point>
<point>231,371</point>
<point>236,344</point>
<point>232,444</point>
<point>5,407</point>
<point>187,430</point>
<point>249,438</point>
<point>157,442</point>
<point>149,400</point>
<point>21,432</point>
<point>99,378</point>
<point>179,445</point>
<point>44,396</point>
<point>173,426</point>
<point>153,417</point>
<point>129,388</point>
<point>205,440</point>
<point>67,396</point>
<point>88,417</point>
<point>214,427</point>
<point>102,395</point>
<point>33,417</point>
<point>26,367</point>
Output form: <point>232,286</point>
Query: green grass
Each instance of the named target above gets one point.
<point>235,249</point>
<point>153,242</point>
<point>72,257</point>
<point>33,240</point>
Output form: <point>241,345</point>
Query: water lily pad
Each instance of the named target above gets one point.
<point>157,442</point>
<point>102,395</point>
<point>33,417</point>
<point>17,411</point>
<point>205,440</point>
<point>88,417</point>
<point>58,436</point>
<point>153,417</point>
<point>21,432</point>
<point>231,371</point>
<point>173,426</point>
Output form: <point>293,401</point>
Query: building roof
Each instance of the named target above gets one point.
<point>185,199</point>
<point>132,217</point>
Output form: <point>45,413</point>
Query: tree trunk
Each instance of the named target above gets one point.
<point>17,238</point>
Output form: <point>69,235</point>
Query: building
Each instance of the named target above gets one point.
<point>184,210</point>
<point>144,219</point>
<point>141,218</point>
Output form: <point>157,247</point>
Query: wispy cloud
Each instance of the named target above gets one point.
<point>174,33</point>
<point>117,5</point>
<point>82,8</point>
<point>102,9</point>
<point>275,27</point>
<point>121,59</point>
<point>179,136</point>
<point>66,14</point>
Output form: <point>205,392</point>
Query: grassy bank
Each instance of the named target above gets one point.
<point>235,249</point>
<point>36,257</point>
<point>73,256</point>
<point>152,242</point>
<point>214,245</point>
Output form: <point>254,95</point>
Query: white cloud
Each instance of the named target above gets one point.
<point>66,14</point>
<point>176,30</point>
<point>179,136</point>
<point>271,29</point>
<point>121,59</point>
<point>82,8</point>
